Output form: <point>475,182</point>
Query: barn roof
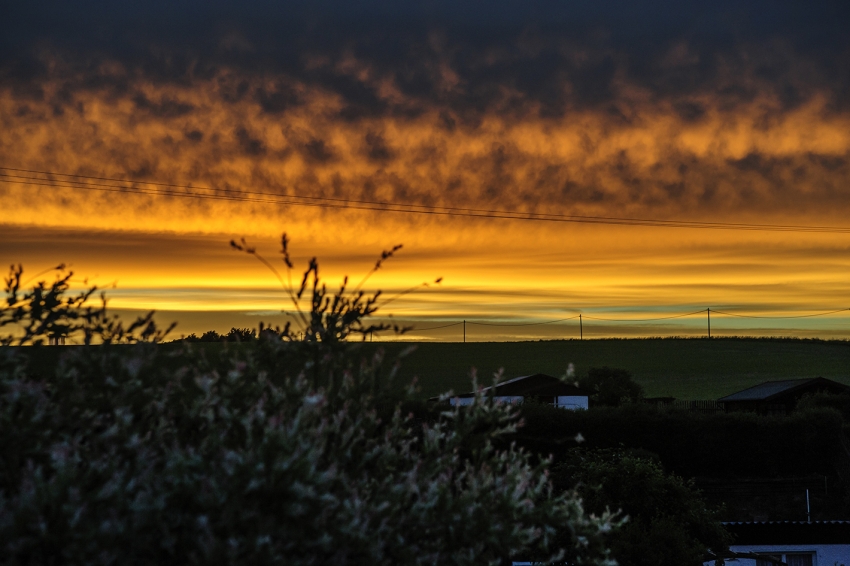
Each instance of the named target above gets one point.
<point>772,389</point>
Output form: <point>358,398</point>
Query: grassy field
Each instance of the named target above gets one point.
<point>694,368</point>
<point>681,368</point>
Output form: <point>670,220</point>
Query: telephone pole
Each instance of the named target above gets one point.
<point>580,329</point>
<point>708,312</point>
<point>464,332</point>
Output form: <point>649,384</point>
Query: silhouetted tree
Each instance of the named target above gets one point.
<point>241,335</point>
<point>668,522</point>
<point>611,386</point>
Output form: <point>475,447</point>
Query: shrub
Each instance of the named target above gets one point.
<point>241,335</point>
<point>840,403</point>
<point>234,335</point>
<point>693,444</point>
<point>669,524</point>
<point>288,452</point>
<point>611,386</point>
<point>211,336</point>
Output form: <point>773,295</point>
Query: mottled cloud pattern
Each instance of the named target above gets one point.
<point>551,107</point>
<point>721,111</point>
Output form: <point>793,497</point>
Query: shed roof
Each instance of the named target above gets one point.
<point>770,389</point>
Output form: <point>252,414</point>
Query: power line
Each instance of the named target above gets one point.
<point>100,178</point>
<point>228,192</point>
<point>521,323</point>
<point>600,319</point>
<point>436,327</point>
<point>88,182</point>
<point>778,317</point>
<point>643,319</point>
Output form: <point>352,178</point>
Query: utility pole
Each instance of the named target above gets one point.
<point>708,311</point>
<point>808,508</point>
<point>464,332</point>
<point>580,329</point>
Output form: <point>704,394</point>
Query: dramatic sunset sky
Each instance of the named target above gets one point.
<point>713,112</point>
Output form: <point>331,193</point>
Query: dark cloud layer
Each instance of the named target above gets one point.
<point>466,57</point>
<point>607,107</point>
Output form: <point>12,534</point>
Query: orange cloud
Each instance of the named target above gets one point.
<point>757,162</point>
<point>746,162</point>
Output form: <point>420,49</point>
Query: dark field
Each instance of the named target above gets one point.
<point>681,368</point>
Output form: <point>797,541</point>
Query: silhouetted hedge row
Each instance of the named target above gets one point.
<point>692,444</point>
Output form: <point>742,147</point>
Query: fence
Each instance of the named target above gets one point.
<point>703,406</point>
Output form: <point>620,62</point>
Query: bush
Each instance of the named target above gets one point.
<point>611,387</point>
<point>840,403</point>
<point>288,452</point>
<point>693,444</point>
<point>669,524</point>
<point>234,335</point>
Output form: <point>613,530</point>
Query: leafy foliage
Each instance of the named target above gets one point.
<point>840,403</point>
<point>233,335</point>
<point>46,311</point>
<point>611,386</point>
<point>292,451</point>
<point>668,524</point>
<point>693,444</point>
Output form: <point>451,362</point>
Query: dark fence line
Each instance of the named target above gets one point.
<point>701,406</point>
<point>704,406</point>
<point>790,497</point>
<point>842,459</point>
<point>817,485</point>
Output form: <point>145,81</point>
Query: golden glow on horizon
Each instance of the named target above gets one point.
<point>615,277</point>
<point>172,254</point>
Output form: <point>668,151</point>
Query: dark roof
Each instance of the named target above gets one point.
<point>538,384</point>
<point>772,389</point>
<point>789,532</point>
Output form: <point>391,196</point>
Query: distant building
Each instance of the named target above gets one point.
<point>794,543</point>
<point>780,396</point>
<point>540,387</point>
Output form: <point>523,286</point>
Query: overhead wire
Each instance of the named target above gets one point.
<point>521,323</point>
<point>776,317</point>
<point>436,327</point>
<point>112,184</point>
<point>117,185</point>
<point>643,319</point>
<point>654,319</point>
<point>228,192</point>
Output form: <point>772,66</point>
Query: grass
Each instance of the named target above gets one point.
<point>685,368</point>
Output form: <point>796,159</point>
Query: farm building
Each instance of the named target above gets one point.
<point>794,543</point>
<point>540,387</point>
<point>780,396</point>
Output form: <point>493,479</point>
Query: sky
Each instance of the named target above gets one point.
<point>139,138</point>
